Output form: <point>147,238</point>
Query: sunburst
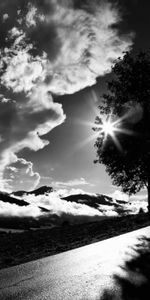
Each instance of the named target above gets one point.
<point>108,127</point>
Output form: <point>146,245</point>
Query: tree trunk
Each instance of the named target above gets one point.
<point>148,190</point>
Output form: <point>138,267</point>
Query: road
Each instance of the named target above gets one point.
<point>77,274</point>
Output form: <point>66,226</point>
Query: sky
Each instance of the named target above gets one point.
<point>56,57</point>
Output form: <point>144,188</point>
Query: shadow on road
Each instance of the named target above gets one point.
<point>134,284</point>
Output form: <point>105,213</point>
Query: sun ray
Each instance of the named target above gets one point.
<point>110,126</point>
<point>86,141</point>
<point>117,143</point>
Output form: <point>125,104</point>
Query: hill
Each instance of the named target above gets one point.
<point>5,197</point>
<point>40,191</point>
<point>94,200</point>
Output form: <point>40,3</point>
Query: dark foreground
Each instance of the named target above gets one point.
<point>82,273</point>
<point>17,248</point>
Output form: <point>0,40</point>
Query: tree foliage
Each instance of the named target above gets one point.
<point>127,154</point>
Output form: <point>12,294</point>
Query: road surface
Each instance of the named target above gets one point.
<point>81,273</point>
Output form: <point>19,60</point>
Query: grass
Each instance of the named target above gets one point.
<point>17,248</point>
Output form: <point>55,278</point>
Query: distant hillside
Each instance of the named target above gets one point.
<point>40,191</point>
<point>10,199</point>
<point>5,197</point>
<point>93,200</point>
<point>104,205</point>
<point>58,213</point>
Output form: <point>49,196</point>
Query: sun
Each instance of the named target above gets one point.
<point>108,128</point>
<point>105,127</point>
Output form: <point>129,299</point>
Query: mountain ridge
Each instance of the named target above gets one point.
<point>5,197</point>
<point>99,202</point>
<point>39,191</point>
<point>93,200</point>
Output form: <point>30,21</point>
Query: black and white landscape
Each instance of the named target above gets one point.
<point>44,222</point>
<point>74,135</point>
<point>60,207</point>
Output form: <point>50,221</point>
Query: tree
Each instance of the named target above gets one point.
<point>123,126</point>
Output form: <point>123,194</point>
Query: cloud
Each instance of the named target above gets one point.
<point>139,201</point>
<point>23,72</point>
<point>22,175</point>
<point>71,211</point>
<point>118,195</point>
<point>64,192</point>
<point>12,168</point>
<point>139,197</point>
<point>87,42</point>
<point>133,203</point>
<point>73,46</point>
<point>23,128</point>
<point>54,202</point>
<point>13,210</point>
<point>5,17</point>
<point>108,211</point>
<point>22,124</point>
<point>63,208</point>
<point>136,205</point>
<point>70,183</point>
<point>31,15</point>
<point>49,47</point>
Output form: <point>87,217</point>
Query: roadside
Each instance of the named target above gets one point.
<point>17,248</point>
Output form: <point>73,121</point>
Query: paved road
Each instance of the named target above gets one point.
<point>76,274</point>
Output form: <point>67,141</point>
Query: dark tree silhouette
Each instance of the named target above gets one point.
<point>126,109</point>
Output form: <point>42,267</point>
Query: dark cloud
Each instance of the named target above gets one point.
<point>47,7</point>
<point>44,38</point>
<point>11,8</point>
